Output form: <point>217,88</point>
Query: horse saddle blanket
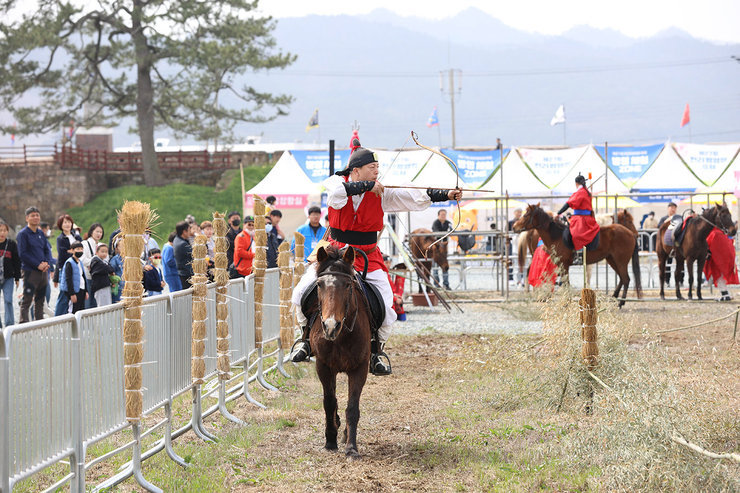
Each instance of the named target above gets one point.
<point>568,240</point>
<point>310,301</point>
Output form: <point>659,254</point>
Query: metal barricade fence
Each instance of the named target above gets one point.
<point>271,308</point>
<point>101,349</point>
<point>61,379</point>
<point>210,352</point>
<point>42,388</point>
<point>182,308</point>
<point>157,325</point>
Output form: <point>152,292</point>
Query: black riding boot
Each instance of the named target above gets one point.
<point>301,350</point>
<point>377,365</point>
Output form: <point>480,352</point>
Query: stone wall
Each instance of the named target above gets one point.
<point>42,183</point>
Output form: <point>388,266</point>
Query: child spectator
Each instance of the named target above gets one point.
<point>72,280</point>
<point>100,272</point>
<point>206,228</point>
<point>397,283</point>
<point>154,278</point>
<point>10,272</point>
<point>117,263</point>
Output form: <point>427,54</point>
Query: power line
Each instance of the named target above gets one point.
<point>508,73</point>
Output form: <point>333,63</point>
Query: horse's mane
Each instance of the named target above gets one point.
<point>334,258</point>
<point>555,228</point>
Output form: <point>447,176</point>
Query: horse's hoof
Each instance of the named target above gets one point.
<point>331,446</point>
<point>662,297</point>
<point>352,454</point>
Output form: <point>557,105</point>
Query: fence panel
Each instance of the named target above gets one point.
<point>180,346</point>
<point>157,351</point>
<point>237,300</point>
<point>210,353</point>
<point>271,309</point>
<point>101,350</point>
<point>41,401</point>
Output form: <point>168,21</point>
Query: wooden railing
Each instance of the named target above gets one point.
<point>67,157</point>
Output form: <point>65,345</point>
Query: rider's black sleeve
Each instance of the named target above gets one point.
<point>358,187</point>
<point>438,194</point>
<point>564,208</point>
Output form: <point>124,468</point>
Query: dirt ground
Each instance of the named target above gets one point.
<point>473,412</point>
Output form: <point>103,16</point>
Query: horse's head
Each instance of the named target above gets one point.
<point>439,254</point>
<point>625,219</point>
<point>533,218</point>
<point>723,218</point>
<point>336,290</point>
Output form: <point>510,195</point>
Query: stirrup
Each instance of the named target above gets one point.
<point>378,366</point>
<point>302,353</point>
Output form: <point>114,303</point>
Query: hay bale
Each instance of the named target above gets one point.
<point>221,277</point>
<point>259,206</point>
<point>134,404</point>
<point>132,377</point>
<point>133,353</point>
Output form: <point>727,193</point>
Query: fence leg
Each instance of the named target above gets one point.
<point>734,332</point>
<point>280,361</point>
<point>222,404</point>
<point>137,462</point>
<point>250,399</point>
<point>197,419</point>
<point>5,421</point>
<point>168,437</point>
<point>260,373</point>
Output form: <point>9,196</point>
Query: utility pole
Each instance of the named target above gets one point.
<point>451,92</point>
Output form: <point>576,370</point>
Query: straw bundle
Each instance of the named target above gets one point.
<point>199,279</point>
<point>260,264</point>
<point>134,218</point>
<point>300,267</point>
<point>589,317</point>
<point>223,363</point>
<point>286,290</point>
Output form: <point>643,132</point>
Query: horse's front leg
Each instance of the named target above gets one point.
<point>357,380</point>
<point>699,271</point>
<point>661,276</point>
<point>329,382</point>
<point>690,269</point>
<point>678,276</point>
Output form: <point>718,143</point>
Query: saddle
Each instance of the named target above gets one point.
<point>568,240</point>
<point>373,299</point>
<point>674,232</point>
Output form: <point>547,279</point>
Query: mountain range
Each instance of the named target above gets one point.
<point>388,72</point>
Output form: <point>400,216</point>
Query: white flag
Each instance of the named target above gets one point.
<point>559,116</point>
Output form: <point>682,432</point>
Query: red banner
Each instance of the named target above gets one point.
<point>283,201</point>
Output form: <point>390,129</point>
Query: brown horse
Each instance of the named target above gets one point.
<point>340,339</point>
<point>528,241</point>
<point>693,247</point>
<point>421,251</point>
<point>616,244</point>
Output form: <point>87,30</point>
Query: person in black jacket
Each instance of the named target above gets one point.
<point>64,251</point>
<point>235,227</point>
<point>10,272</point>
<point>100,271</point>
<point>183,253</point>
<point>273,242</point>
<point>153,278</point>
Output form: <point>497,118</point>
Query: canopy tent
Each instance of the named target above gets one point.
<point>476,168</point>
<point>602,179</point>
<point>667,174</point>
<point>709,163</point>
<point>629,163</point>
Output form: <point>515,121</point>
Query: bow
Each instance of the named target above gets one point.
<point>415,138</point>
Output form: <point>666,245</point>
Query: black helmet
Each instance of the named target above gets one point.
<point>581,180</point>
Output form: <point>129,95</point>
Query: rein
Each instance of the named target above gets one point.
<point>721,228</point>
<point>353,284</point>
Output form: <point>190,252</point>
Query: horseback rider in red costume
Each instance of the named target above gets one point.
<point>583,226</point>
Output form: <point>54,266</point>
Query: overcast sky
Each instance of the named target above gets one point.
<point>716,20</point>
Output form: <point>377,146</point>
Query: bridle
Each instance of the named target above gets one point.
<point>353,284</point>
<point>720,227</point>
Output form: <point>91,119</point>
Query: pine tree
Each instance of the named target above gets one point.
<point>179,64</point>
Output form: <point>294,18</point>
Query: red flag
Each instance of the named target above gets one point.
<point>685,118</point>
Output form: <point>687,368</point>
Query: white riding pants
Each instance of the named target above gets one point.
<point>378,278</point>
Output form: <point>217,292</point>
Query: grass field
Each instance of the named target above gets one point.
<point>172,202</point>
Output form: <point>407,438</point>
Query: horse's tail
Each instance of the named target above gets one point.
<point>636,270</point>
<point>522,249</point>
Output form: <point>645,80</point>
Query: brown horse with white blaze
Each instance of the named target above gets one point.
<point>616,244</point>
<point>340,340</point>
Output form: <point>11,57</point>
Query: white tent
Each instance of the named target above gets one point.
<point>667,173</point>
<point>590,163</point>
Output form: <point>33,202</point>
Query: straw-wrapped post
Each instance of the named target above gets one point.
<point>222,308</point>
<point>299,266</point>
<point>134,218</point>
<point>286,290</point>
<point>198,281</point>
<point>259,266</point>
<point>589,316</point>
